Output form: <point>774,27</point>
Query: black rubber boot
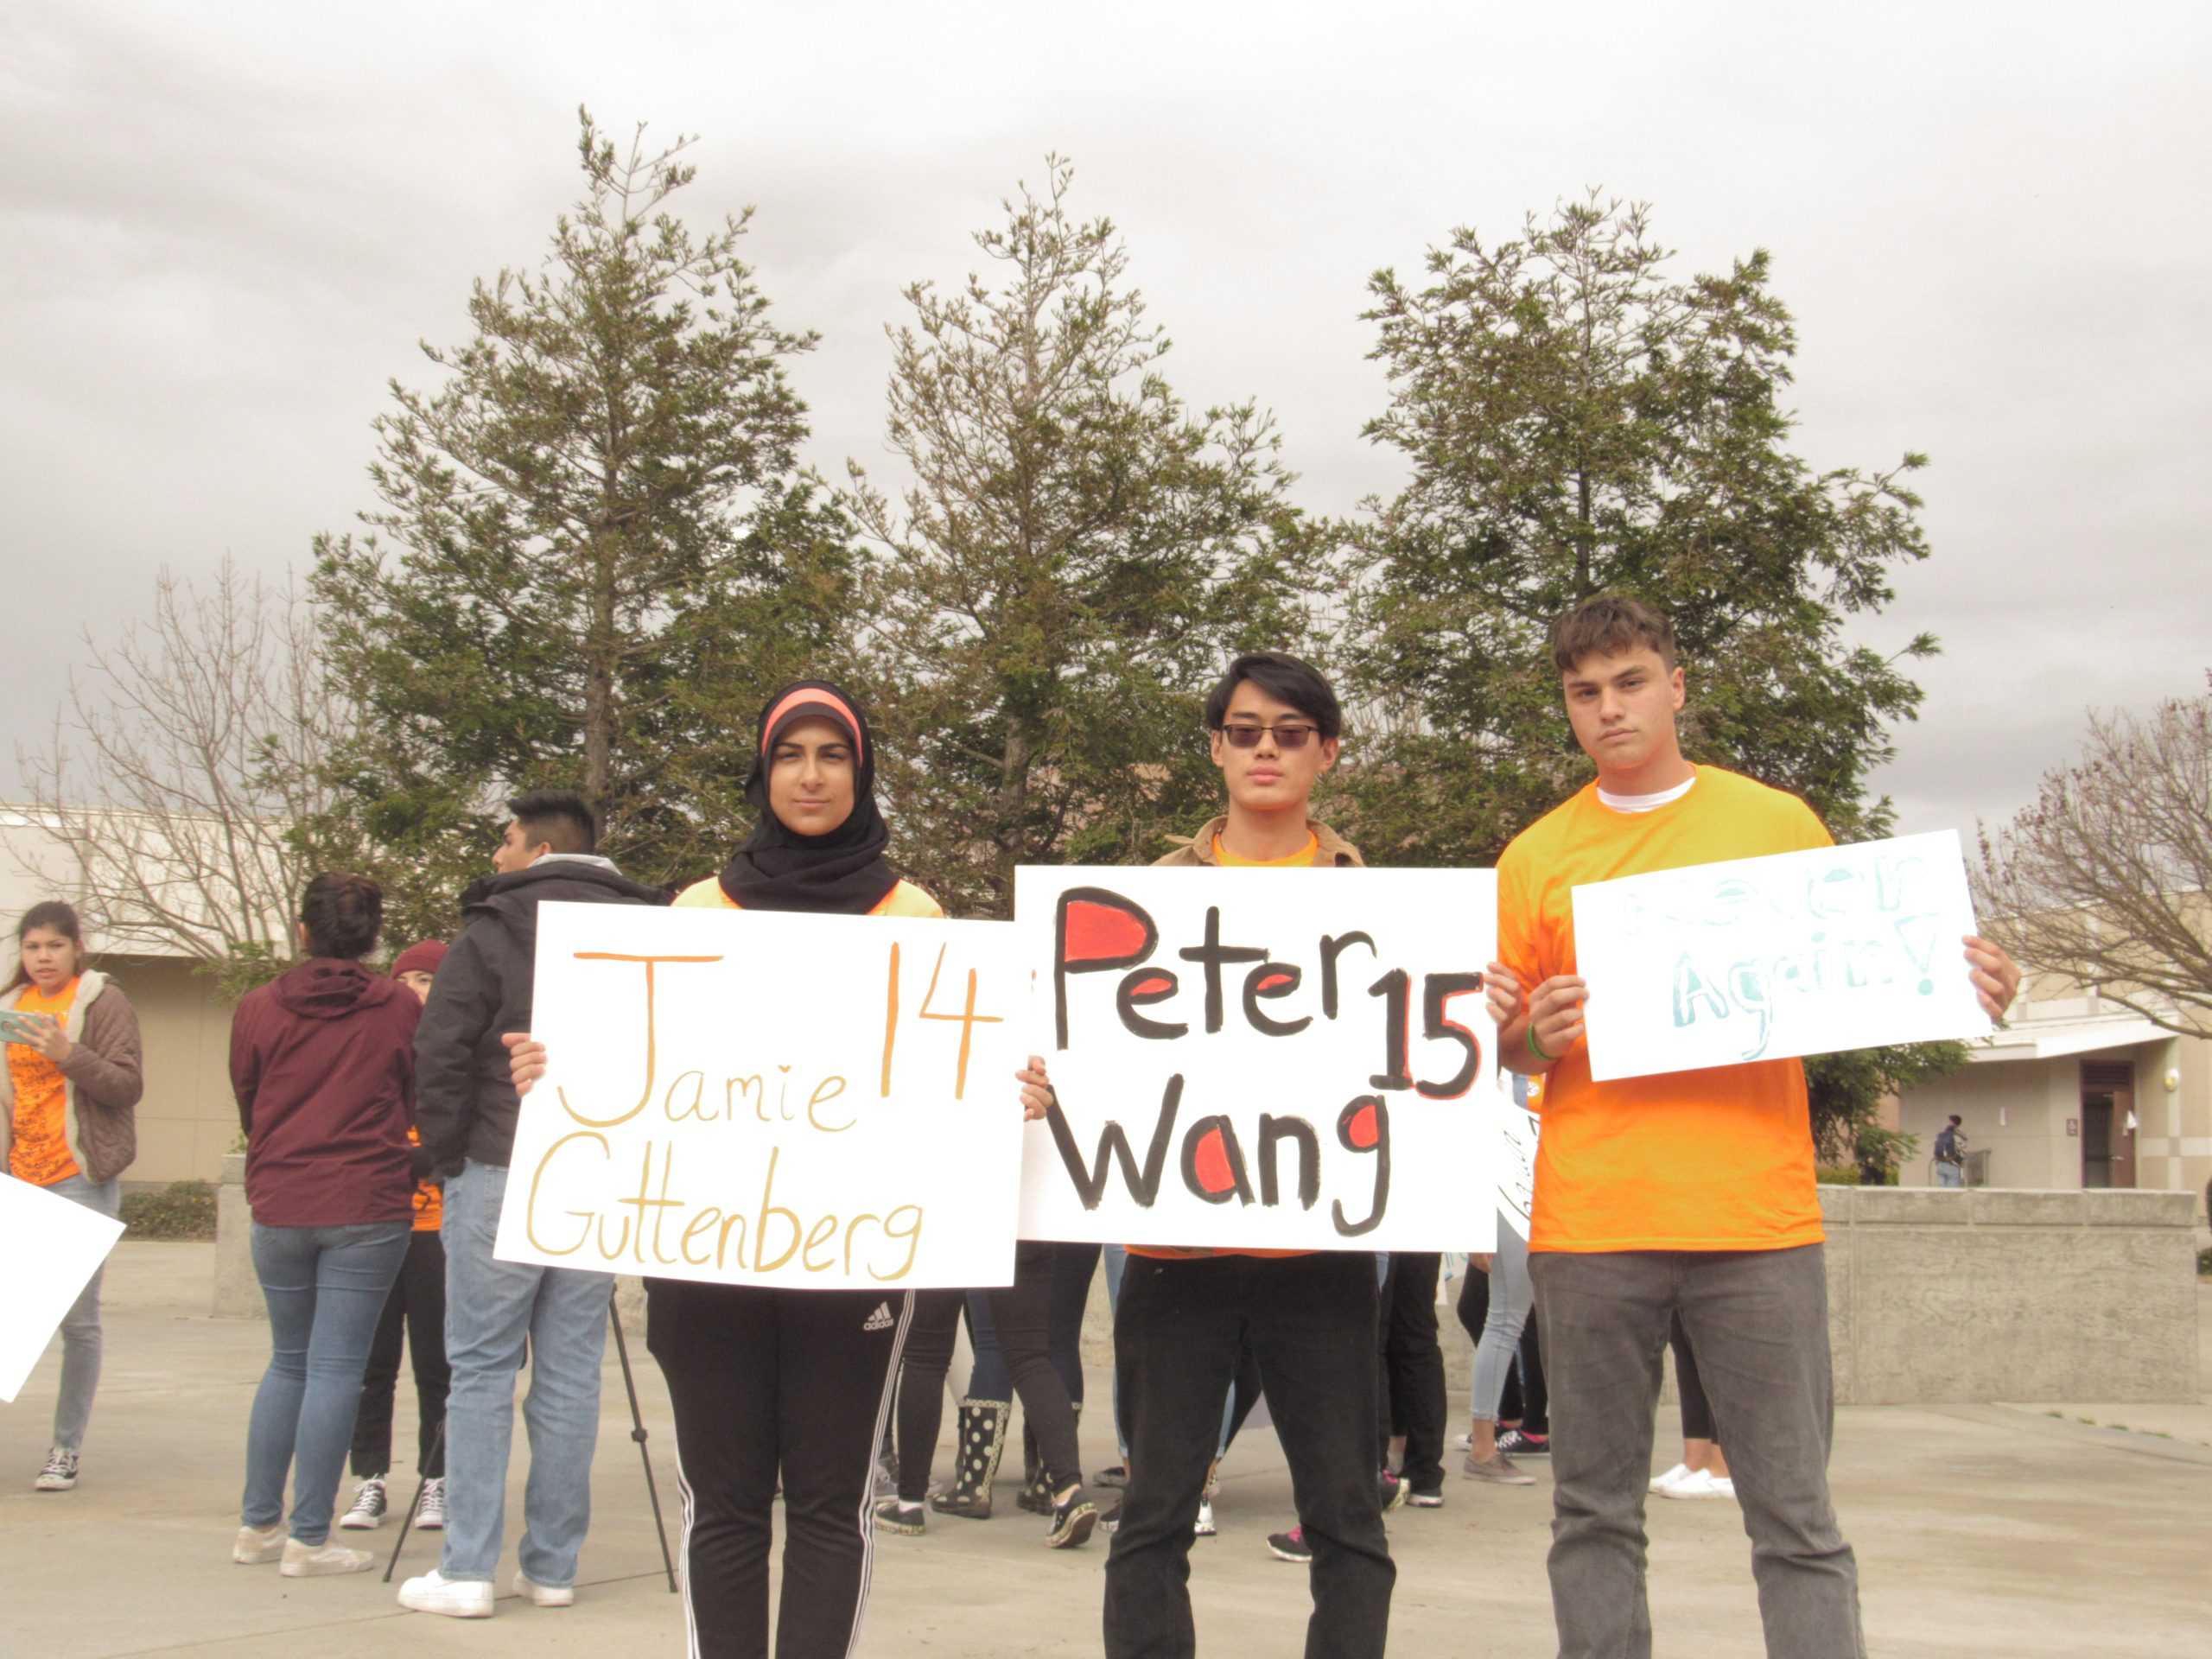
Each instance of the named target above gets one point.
<point>982,1433</point>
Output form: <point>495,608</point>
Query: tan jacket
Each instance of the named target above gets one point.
<point>1334,851</point>
<point>105,1076</point>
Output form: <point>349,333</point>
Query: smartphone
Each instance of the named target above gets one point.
<point>24,1028</point>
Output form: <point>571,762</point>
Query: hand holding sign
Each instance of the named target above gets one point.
<point>1802,953</point>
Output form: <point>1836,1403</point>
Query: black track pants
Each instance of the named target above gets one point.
<point>764,1381</point>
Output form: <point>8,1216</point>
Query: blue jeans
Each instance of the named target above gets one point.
<point>491,1307</point>
<point>1512,1296</point>
<point>80,1326</point>
<point>1950,1175</point>
<point>325,1287</point>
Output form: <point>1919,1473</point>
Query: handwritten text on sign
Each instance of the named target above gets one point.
<point>1763,958</point>
<point>756,1098</point>
<point>1287,1059</point>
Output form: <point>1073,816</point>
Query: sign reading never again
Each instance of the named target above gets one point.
<point>1278,1059</point>
<point>758,1098</point>
<point>1766,958</point>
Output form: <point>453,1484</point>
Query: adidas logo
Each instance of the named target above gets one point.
<point>880,1319</point>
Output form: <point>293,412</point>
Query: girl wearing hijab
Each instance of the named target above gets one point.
<point>767,1382</point>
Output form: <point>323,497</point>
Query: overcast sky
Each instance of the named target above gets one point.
<point>226,228</point>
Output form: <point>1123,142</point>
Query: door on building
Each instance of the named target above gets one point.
<point>2108,1120</point>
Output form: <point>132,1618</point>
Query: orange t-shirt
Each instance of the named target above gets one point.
<point>1222,855</point>
<point>39,1152</point>
<point>430,1197</point>
<point>1717,1160</point>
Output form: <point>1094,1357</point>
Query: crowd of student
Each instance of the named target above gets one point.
<point>380,1111</point>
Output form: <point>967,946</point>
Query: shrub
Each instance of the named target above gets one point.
<point>183,1210</point>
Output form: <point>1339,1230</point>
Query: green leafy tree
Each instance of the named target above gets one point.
<point>1578,421</point>
<point>1075,557</point>
<point>597,553</point>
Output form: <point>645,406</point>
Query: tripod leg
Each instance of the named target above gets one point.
<point>638,1433</point>
<point>421,1485</point>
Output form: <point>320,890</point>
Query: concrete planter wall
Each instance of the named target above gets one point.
<point>237,1290</point>
<point>1971,1296</point>
<point>1993,1295</point>
<point>1933,1295</point>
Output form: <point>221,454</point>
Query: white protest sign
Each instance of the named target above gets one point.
<point>1763,958</point>
<point>1278,1059</point>
<point>53,1248</point>
<point>757,1097</point>
<point>1517,1129</point>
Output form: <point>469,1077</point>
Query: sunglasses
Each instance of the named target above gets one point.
<point>1288,736</point>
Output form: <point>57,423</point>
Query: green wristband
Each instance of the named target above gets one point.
<point>1529,1035</point>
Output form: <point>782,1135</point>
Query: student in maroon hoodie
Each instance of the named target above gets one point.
<point>323,1065</point>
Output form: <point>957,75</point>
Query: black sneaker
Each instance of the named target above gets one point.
<point>1430,1498</point>
<point>913,1519</point>
<point>1109,1478</point>
<point>1523,1443</point>
<point>1073,1521</point>
<point>1392,1492</point>
<point>1112,1519</point>
<point>1291,1546</point>
<point>369,1508</point>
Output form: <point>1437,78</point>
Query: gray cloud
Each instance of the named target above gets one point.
<point>225,230</point>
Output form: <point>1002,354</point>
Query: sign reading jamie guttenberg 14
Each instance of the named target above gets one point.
<point>1280,1059</point>
<point>753,1097</point>
<point>1764,958</point>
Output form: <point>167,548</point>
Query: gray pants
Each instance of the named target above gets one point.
<point>1758,1321</point>
<point>80,1326</point>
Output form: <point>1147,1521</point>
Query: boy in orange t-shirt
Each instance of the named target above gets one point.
<point>1690,1193</point>
<point>1184,1315</point>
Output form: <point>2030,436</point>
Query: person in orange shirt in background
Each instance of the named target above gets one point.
<point>1690,1193</point>
<point>415,1316</point>
<point>68,1098</point>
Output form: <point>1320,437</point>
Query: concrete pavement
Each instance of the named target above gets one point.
<point>1992,1529</point>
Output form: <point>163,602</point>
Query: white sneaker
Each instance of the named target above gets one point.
<point>368,1509</point>
<point>322,1561</point>
<point>257,1545</point>
<point>430,1514</point>
<point>455,1598</point>
<point>60,1473</point>
<point>1703,1483</point>
<point>545,1595</point>
<point>1206,1527</point>
<point>1664,1485</point>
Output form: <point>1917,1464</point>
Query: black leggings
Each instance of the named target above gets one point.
<point>1697,1411</point>
<point>921,1386</point>
<point>767,1381</point>
<point>414,1314</point>
<point>1021,1317</point>
<point>1526,1401</point>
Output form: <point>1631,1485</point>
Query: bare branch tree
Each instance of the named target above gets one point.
<point>185,771</point>
<point>2105,881</point>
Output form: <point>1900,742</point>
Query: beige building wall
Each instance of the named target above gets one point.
<point>2017,1111</point>
<point>2012,1111</point>
<point>187,1120</point>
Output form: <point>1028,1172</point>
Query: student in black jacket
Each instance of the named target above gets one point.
<point>467,1105</point>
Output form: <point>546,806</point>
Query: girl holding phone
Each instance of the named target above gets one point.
<point>68,1103</point>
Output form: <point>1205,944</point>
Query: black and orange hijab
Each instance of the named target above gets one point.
<point>842,872</point>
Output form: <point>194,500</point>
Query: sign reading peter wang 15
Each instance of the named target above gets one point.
<point>756,1098</point>
<point>1283,1059</point>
